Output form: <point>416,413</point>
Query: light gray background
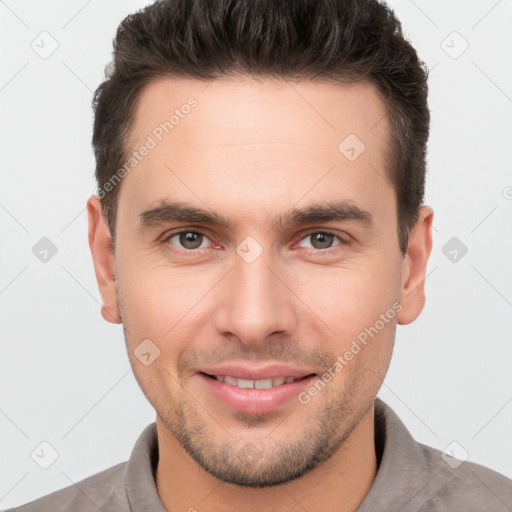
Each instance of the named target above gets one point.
<point>64,371</point>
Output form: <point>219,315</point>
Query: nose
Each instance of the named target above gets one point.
<point>255,301</point>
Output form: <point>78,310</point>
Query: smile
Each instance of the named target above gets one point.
<point>254,384</point>
<point>255,396</point>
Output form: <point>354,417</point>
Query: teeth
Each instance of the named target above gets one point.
<point>256,384</point>
<point>263,384</point>
<point>230,380</point>
<point>245,383</point>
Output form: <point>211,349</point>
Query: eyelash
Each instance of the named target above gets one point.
<point>193,252</point>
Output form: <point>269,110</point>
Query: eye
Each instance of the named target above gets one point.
<point>188,239</point>
<point>321,240</point>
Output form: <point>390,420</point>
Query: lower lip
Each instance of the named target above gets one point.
<point>255,401</point>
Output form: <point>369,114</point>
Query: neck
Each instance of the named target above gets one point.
<point>338,484</point>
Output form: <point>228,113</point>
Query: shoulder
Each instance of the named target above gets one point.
<point>414,477</point>
<point>464,484</point>
<point>101,491</point>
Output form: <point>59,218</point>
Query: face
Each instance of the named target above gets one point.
<point>258,274</point>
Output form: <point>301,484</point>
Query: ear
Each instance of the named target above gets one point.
<point>102,252</point>
<point>414,267</point>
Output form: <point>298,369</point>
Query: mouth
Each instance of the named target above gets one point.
<point>264,393</point>
<point>255,384</point>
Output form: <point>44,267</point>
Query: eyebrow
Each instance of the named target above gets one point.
<point>323,212</point>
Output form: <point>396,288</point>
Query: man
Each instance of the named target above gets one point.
<point>259,232</point>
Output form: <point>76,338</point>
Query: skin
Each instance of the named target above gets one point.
<point>252,150</point>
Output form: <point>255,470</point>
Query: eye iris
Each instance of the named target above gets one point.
<point>190,240</point>
<point>323,239</point>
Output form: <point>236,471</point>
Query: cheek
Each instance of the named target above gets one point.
<point>163,305</point>
<point>157,299</point>
<point>157,306</point>
<point>359,304</point>
<point>350,299</point>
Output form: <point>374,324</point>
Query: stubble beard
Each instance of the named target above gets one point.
<point>269,461</point>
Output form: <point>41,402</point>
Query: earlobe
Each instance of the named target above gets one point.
<point>100,243</point>
<point>414,267</point>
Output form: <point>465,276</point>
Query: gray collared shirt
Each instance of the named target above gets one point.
<point>411,477</point>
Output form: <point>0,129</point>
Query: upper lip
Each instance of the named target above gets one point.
<point>241,371</point>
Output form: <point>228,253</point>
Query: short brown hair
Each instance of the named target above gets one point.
<point>341,40</point>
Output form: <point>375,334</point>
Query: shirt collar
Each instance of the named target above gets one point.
<point>404,478</point>
<point>140,473</point>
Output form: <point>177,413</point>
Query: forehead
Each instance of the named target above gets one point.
<point>247,110</point>
<point>230,137</point>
